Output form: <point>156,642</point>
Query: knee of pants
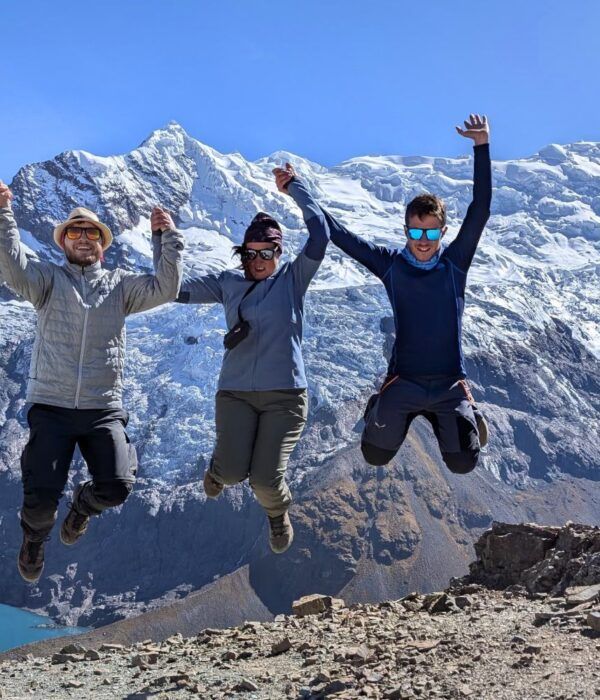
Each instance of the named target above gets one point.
<point>461,462</point>
<point>112,493</point>
<point>229,479</point>
<point>376,456</point>
<point>228,474</point>
<point>262,481</point>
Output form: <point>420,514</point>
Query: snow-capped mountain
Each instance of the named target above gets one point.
<point>532,339</point>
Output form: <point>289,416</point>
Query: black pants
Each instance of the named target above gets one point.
<point>445,401</point>
<point>104,445</point>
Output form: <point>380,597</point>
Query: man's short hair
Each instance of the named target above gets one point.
<point>424,205</point>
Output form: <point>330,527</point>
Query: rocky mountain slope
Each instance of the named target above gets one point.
<point>532,344</point>
<point>524,624</point>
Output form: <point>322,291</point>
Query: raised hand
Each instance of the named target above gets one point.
<point>5,195</point>
<point>476,128</point>
<point>283,177</point>
<point>160,220</point>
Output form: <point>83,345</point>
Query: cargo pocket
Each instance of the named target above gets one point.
<point>133,460</point>
<point>468,435</point>
<point>25,469</point>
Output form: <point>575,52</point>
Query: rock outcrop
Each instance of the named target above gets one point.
<point>540,559</point>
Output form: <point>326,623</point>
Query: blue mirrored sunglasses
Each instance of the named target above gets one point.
<point>433,234</point>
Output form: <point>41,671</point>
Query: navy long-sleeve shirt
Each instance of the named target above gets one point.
<point>270,358</point>
<point>427,304</point>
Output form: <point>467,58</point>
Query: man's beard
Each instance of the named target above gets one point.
<point>82,259</point>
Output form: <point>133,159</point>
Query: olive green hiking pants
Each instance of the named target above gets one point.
<point>256,434</point>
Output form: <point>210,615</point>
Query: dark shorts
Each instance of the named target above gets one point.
<point>447,404</point>
<point>54,434</point>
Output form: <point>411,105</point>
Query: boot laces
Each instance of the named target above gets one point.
<point>76,518</point>
<point>278,525</point>
<point>33,549</point>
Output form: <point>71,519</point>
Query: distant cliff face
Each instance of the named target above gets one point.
<point>531,340</point>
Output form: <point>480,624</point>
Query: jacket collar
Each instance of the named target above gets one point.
<point>429,265</point>
<point>91,272</point>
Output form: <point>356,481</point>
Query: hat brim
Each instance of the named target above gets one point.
<point>107,237</point>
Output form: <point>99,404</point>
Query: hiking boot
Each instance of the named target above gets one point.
<point>282,533</point>
<point>31,559</point>
<point>75,524</point>
<point>482,429</point>
<point>212,487</point>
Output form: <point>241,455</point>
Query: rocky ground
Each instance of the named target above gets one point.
<point>537,637</point>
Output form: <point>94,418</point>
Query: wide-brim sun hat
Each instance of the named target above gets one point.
<point>82,214</point>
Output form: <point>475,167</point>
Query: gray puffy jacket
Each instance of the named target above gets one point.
<point>79,349</point>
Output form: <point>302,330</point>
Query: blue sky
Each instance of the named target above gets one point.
<point>327,79</point>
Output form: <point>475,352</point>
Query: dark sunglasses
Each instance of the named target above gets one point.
<point>250,254</point>
<point>433,234</point>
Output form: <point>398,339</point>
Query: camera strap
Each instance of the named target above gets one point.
<point>246,293</point>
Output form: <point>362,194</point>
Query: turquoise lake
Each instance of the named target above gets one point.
<point>19,627</point>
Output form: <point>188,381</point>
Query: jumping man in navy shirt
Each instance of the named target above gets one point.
<point>426,287</point>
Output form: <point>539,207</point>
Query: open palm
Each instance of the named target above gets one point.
<point>476,128</point>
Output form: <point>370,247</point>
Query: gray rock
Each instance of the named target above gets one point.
<point>63,658</point>
<point>463,601</point>
<point>73,649</point>
<point>281,646</point>
<point>582,594</point>
<point>593,620</point>
<point>246,685</point>
<point>315,604</point>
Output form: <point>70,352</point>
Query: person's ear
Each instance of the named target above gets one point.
<point>444,230</point>
<point>406,230</point>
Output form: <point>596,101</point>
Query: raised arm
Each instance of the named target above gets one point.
<point>29,278</point>
<point>306,264</point>
<point>318,230</point>
<point>462,249</point>
<point>201,290</point>
<point>144,292</point>
<point>376,258</point>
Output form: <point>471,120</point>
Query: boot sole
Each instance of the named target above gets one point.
<point>22,575</point>
<point>69,544</point>
<point>210,490</point>
<point>484,433</point>
<point>285,549</point>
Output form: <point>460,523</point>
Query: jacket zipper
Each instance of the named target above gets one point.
<point>253,384</point>
<point>83,334</point>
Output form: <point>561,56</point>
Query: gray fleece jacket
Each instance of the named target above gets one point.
<point>79,349</point>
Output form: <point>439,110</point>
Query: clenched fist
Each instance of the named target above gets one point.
<point>160,220</point>
<point>5,195</point>
<point>283,177</point>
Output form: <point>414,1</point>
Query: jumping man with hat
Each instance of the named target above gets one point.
<point>75,381</point>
